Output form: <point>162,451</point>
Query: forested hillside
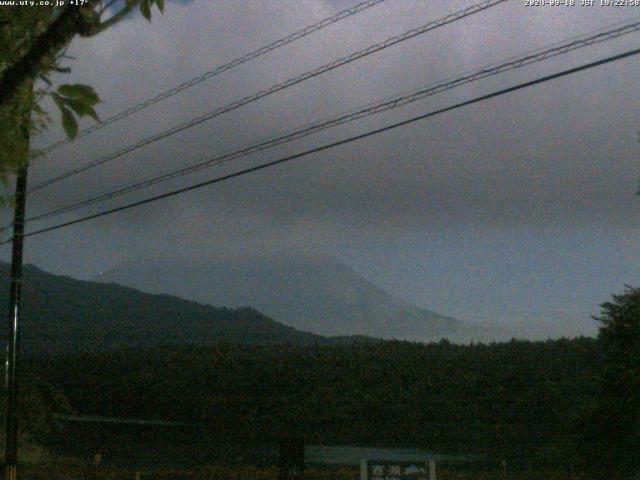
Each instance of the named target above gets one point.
<point>519,400</point>
<point>62,314</point>
<point>312,293</point>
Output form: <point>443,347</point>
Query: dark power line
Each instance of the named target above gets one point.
<point>479,7</point>
<point>217,71</point>
<point>345,141</point>
<point>483,72</point>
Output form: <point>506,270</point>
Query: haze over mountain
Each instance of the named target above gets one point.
<point>62,314</point>
<point>315,294</point>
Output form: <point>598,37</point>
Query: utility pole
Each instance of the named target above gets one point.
<point>22,108</point>
<point>11,425</point>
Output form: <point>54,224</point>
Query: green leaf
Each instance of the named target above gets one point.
<point>58,100</point>
<point>91,19</point>
<point>78,90</point>
<point>145,9</point>
<point>45,79</point>
<point>69,123</point>
<point>92,113</point>
<point>160,4</point>
<point>81,108</point>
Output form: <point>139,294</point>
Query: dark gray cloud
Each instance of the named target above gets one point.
<point>445,212</point>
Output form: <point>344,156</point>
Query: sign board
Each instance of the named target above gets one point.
<point>397,470</point>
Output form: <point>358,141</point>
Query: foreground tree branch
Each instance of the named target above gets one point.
<point>71,21</point>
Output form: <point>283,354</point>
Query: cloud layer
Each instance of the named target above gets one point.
<point>560,157</point>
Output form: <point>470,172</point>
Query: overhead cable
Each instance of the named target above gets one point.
<point>273,89</point>
<point>483,72</point>
<point>216,71</point>
<point>328,146</point>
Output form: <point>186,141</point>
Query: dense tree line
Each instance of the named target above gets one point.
<point>523,401</point>
<point>574,403</point>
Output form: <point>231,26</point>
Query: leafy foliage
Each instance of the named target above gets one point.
<point>78,100</point>
<point>20,31</point>
<point>243,375</point>
<point>39,401</point>
<point>614,425</point>
<point>516,400</point>
<point>14,132</point>
<point>240,375</point>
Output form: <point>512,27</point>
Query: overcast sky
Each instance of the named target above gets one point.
<point>521,208</point>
